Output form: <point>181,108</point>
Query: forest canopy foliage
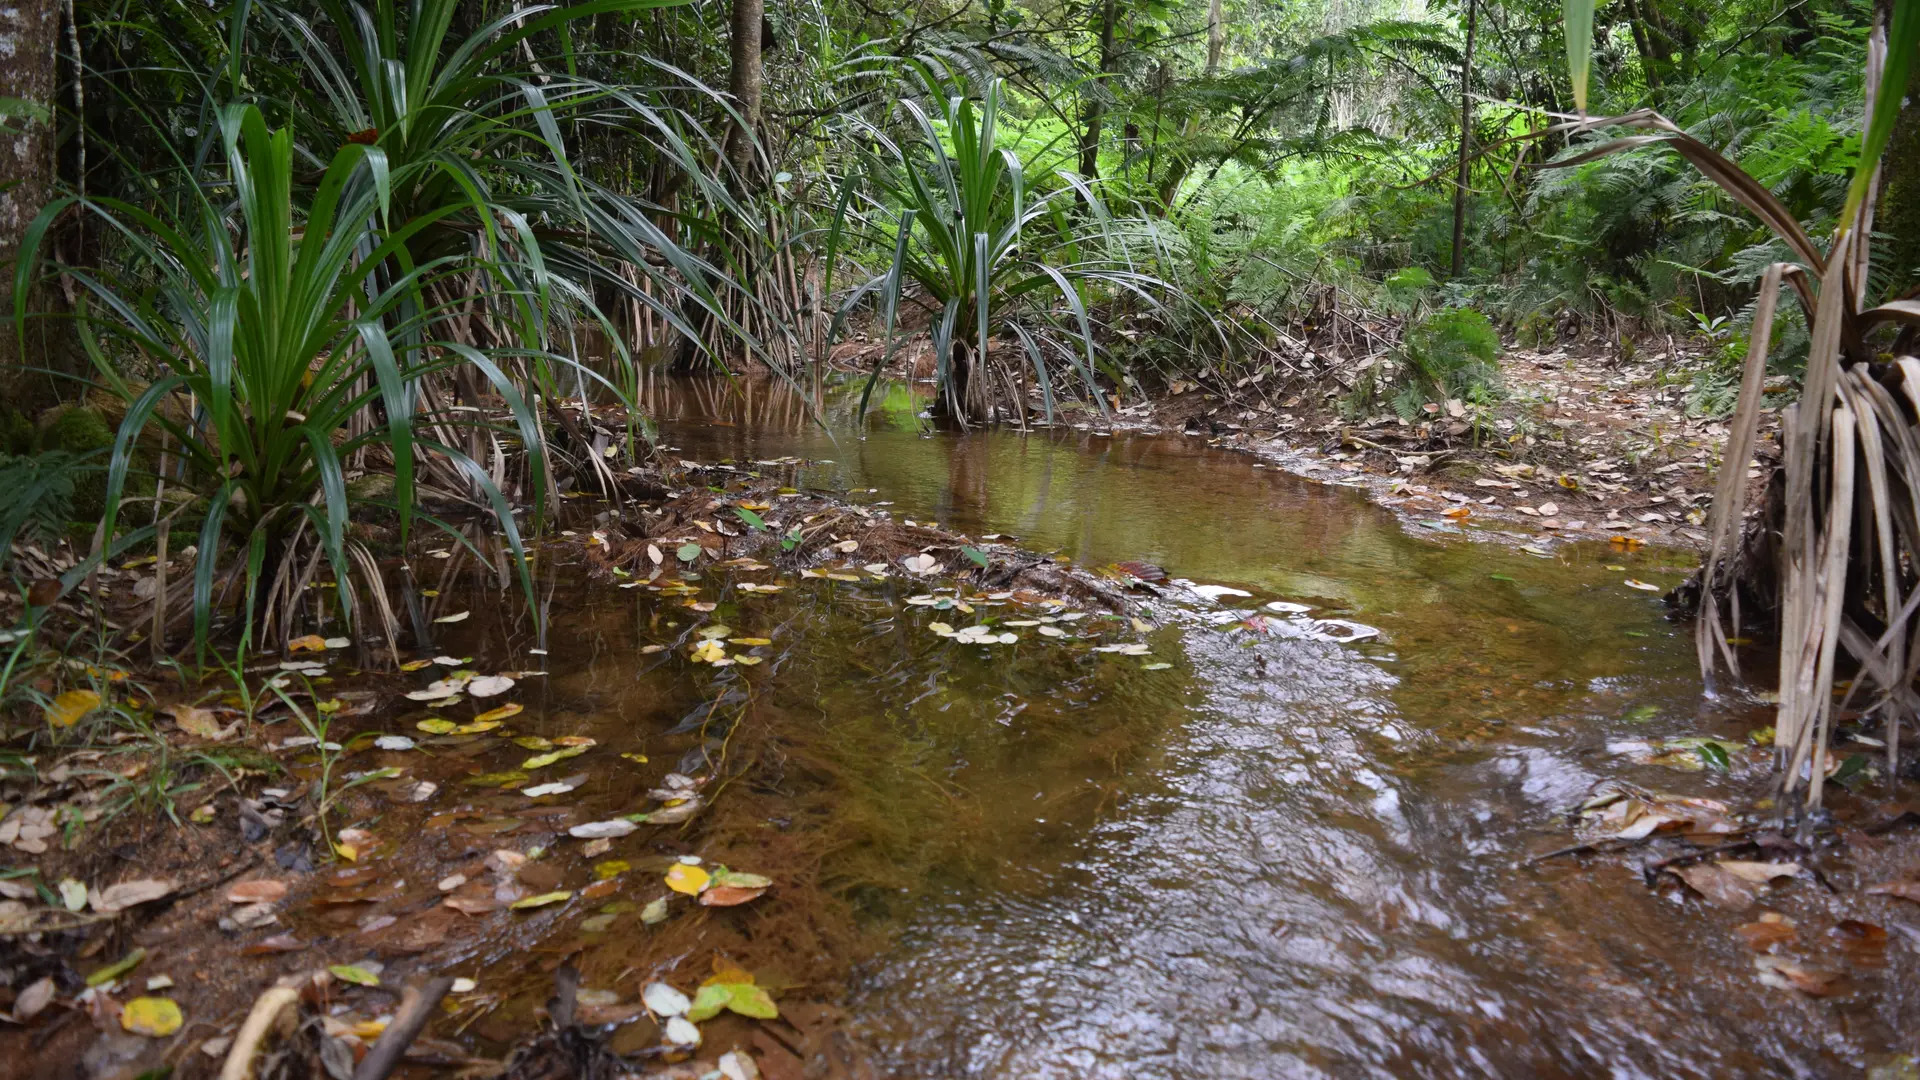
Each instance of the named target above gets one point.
<point>299,243</point>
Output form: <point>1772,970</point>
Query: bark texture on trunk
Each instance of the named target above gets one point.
<point>1095,113</point>
<point>29,51</point>
<point>1466,135</point>
<point>745,81</point>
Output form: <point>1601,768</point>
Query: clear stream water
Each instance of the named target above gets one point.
<point>1276,857</point>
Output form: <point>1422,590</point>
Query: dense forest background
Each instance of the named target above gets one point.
<point>293,249</point>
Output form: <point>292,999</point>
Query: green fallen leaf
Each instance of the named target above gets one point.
<point>686,553</point>
<point>496,779</point>
<point>1714,755</point>
<point>1851,766</point>
<point>358,976</point>
<point>1640,714</point>
<point>437,726</point>
<point>113,971</point>
<point>753,520</point>
<point>1502,577</point>
<point>979,557</point>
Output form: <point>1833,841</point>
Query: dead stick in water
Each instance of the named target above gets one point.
<point>417,1004</point>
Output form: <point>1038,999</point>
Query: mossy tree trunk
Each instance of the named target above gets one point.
<point>29,51</point>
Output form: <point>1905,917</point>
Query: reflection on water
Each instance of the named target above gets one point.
<point>1276,856</point>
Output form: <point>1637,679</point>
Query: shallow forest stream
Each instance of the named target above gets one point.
<point>1254,850</point>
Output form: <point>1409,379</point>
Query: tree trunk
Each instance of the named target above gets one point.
<point>1897,213</point>
<point>1466,134</point>
<point>745,80</point>
<point>1095,112</point>
<point>1643,44</point>
<point>29,50</point>
<point>1182,162</point>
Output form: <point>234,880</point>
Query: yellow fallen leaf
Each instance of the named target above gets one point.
<point>307,643</point>
<point>501,713</point>
<point>156,1017</point>
<point>67,709</point>
<point>688,880</point>
<point>415,665</point>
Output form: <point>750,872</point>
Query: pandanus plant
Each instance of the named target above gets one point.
<point>993,253</point>
<point>269,335</point>
<point>1836,551</point>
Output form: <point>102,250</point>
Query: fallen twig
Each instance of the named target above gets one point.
<point>417,1005</point>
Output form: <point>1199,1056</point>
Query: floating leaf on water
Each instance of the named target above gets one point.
<point>458,616</point>
<point>558,787</point>
<point>415,665</point>
<point>307,643</point>
<point>349,973</point>
<point>477,727</point>
<point>154,1017</point>
<point>594,830</point>
<point>975,555</point>
<point>437,726</point>
<point>688,880</point>
<point>663,1000</point>
<point>68,709</point>
<point>724,876</point>
<point>393,742</point>
<point>745,998</point>
<point>1635,583</point>
<point>728,895</point>
<point>489,686</point>
<point>542,900</point>
<point>680,1032</point>
<point>501,713</point>
<point>541,761</point>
